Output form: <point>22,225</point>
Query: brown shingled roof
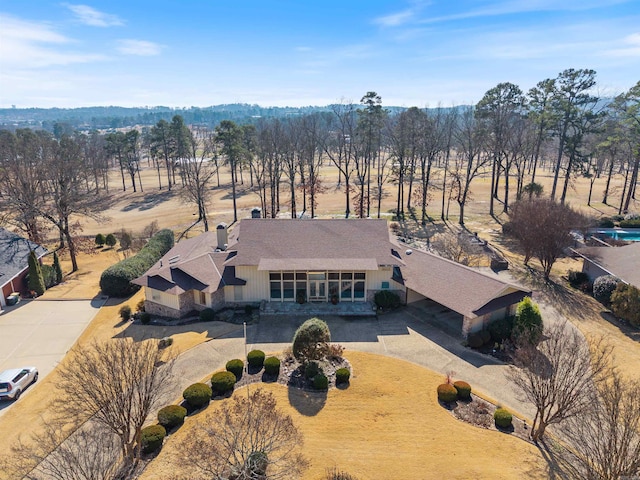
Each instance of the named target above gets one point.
<point>343,243</point>
<point>462,289</point>
<point>623,262</point>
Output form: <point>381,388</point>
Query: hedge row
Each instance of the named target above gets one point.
<point>115,281</point>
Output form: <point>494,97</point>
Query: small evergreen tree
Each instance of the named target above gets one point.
<point>311,340</point>
<point>527,326</point>
<point>36,279</point>
<point>110,240</point>
<point>625,303</point>
<point>100,240</point>
<point>57,268</point>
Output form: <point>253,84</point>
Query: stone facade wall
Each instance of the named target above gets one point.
<point>160,310</point>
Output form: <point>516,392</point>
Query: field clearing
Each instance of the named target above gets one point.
<point>387,425</point>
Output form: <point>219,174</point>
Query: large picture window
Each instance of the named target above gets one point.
<point>290,286</point>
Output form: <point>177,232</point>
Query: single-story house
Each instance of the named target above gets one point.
<point>622,262</point>
<point>14,262</point>
<point>345,260</point>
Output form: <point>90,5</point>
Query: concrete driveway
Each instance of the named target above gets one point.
<point>40,332</point>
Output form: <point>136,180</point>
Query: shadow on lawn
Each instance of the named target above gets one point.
<point>305,402</point>
<point>149,201</point>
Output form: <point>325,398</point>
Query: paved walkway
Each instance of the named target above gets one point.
<point>406,334</point>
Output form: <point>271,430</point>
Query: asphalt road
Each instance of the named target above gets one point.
<point>40,332</point>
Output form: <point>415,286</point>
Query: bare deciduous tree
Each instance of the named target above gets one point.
<point>116,384</point>
<point>558,376</point>
<point>459,248</point>
<point>90,453</point>
<point>248,439</point>
<point>604,442</point>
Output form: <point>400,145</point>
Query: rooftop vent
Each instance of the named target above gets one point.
<point>173,260</point>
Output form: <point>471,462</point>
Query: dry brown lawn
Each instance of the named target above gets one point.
<point>387,425</point>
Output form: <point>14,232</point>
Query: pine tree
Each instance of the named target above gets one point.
<point>36,280</point>
<point>57,268</point>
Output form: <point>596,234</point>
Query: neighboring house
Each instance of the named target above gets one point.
<point>14,262</point>
<point>276,260</point>
<point>623,262</point>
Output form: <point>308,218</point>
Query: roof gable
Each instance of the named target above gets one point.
<point>14,254</point>
<point>623,262</point>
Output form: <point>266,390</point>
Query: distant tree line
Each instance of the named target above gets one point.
<point>421,156</point>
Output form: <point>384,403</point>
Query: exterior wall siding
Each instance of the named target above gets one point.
<point>592,270</point>
<point>257,287</point>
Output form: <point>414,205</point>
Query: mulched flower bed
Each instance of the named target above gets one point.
<point>479,412</point>
<point>292,373</point>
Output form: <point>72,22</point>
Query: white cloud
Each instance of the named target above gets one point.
<point>26,44</point>
<point>141,48</point>
<point>630,48</point>
<point>95,18</point>
<point>395,19</point>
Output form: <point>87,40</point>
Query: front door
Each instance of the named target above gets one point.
<point>317,286</point>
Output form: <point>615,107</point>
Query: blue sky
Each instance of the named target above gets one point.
<point>208,52</point>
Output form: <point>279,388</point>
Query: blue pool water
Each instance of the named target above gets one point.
<point>630,235</point>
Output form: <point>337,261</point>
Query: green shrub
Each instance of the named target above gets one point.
<point>165,342</point>
<point>140,306</point>
<point>447,393</point>
<point>197,395</point>
<point>577,278</point>
<point>463,389</point>
<point>48,275</point>
<point>222,382</point>
<point>485,336</point>
<point>272,365</point>
<point>144,317</point>
<point>386,299</point>
<point>310,341</point>
<point>248,309</point>
<point>527,324</point>
<point>125,312</point>
<point>207,315</point>
<point>342,375</point>
<point>57,268</point>
<point>35,280</point>
<point>100,240</point>
<point>320,382</point>
<point>311,370</point>
<point>115,281</point>
<point>171,416</point>
<point>631,222</point>
<point>606,222</point>
<point>126,239</point>
<point>503,418</point>
<point>235,366</point>
<point>110,240</point>
<point>255,358</point>
<point>625,303</point>
<point>151,438</point>
<point>474,340</point>
<point>501,329</point>
<point>603,287</point>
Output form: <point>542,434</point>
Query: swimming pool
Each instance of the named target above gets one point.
<point>628,235</point>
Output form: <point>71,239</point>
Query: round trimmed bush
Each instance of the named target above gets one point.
<point>503,418</point>
<point>171,416</point>
<point>100,239</point>
<point>310,340</point>
<point>222,382</point>
<point>320,382</point>
<point>342,375</point>
<point>386,299</point>
<point>603,287</point>
<point>235,366</point>
<point>272,365</point>
<point>197,395</point>
<point>151,438</point>
<point>447,393</point>
<point>207,315</point>
<point>463,389</point>
<point>255,358</point>
<point>145,318</point>
<point>501,329</point>
<point>474,340</point>
<point>312,369</point>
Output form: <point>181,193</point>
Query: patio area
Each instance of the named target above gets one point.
<point>314,309</point>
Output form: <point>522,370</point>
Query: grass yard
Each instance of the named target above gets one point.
<point>387,425</point>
